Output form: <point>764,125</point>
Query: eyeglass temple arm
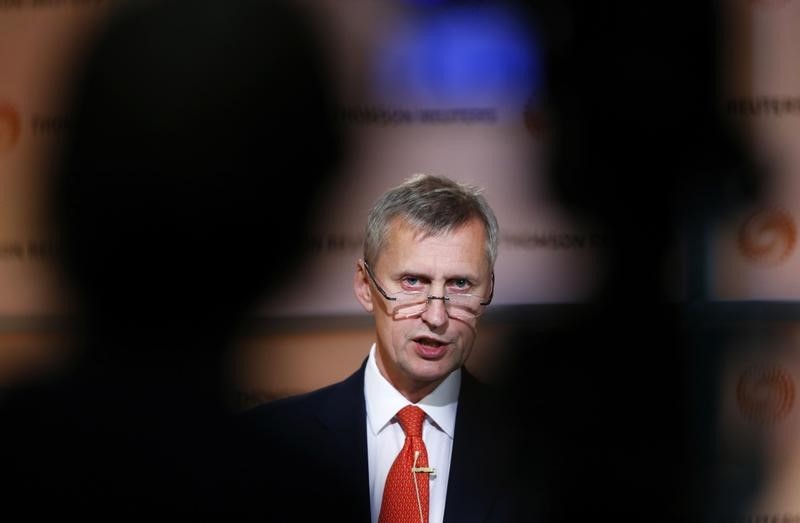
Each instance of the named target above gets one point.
<point>378,286</point>
<point>491,295</point>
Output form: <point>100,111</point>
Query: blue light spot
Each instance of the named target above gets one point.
<point>465,57</point>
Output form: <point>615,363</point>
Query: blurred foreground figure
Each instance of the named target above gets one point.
<point>639,150</point>
<point>197,124</point>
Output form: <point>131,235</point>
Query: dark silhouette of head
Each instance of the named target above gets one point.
<point>638,148</point>
<point>203,133</point>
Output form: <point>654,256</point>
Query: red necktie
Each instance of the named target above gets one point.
<point>405,495</point>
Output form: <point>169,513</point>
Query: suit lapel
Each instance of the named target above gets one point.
<point>472,486</point>
<point>344,415</point>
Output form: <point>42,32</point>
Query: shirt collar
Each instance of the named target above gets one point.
<point>383,400</point>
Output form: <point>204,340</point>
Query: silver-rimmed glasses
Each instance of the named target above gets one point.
<point>408,304</point>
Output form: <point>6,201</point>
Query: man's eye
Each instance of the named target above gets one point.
<point>411,281</point>
<point>461,283</point>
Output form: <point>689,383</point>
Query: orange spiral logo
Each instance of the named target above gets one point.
<point>765,394</point>
<point>768,236</point>
<point>10,127</point>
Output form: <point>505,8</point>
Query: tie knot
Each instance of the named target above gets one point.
<point>411,418</point>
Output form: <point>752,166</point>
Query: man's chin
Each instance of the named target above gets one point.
<point>431,371</point>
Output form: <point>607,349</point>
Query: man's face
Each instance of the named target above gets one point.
<point>415,354</point>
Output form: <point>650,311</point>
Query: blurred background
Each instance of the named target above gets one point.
<point>658,165</point>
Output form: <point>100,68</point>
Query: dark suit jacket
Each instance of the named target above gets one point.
<point>322,435</point>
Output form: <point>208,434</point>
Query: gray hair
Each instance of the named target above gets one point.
<point>433,205</point>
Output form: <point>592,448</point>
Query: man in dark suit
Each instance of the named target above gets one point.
<point>349,451</point>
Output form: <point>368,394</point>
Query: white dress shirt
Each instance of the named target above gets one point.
<point>385,436</point>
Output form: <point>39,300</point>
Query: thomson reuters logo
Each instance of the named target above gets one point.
<point>768,236</point>
<point>765,393</point>
<point>10,127</point>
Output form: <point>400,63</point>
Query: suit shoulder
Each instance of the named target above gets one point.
<point>478,390</point>
<point>303,408</point>
<point>287,405</point>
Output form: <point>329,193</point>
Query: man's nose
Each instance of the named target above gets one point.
<point>436,312</point>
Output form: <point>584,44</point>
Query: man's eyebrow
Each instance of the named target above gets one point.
<point>448,277</point>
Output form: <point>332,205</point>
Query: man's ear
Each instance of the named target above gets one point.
<point>362,288</point>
